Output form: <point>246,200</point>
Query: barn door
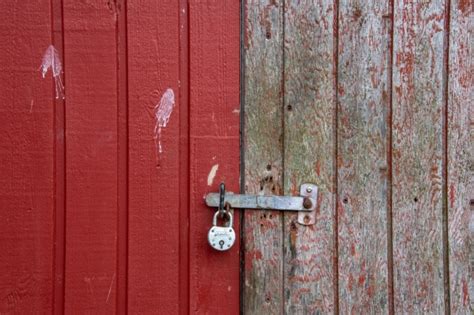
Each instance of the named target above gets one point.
<point>101,207</point>
<point>365,100</point>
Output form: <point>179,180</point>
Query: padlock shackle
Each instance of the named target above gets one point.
<point>225,213</point>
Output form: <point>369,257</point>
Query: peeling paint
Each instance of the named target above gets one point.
<point>163,112</point>
<point>51,60</point>
<point>212,174</point>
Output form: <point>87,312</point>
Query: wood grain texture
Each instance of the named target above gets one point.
<point>91,157</point>
<point>262,146</point>
<point>309,139</point>
<point>122,157</point>
<point>418,109</point>
<point>460,154</point>
<point>154,225</point>
<point>363,130</point>
<point>27,141</point>
<point>59,167</point>
<point>214,139</point>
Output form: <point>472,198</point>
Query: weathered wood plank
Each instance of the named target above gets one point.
<point>363,131</point>
<point>460,153</point>
<point>154,177</point>
<point>27,142</point>
<point>214,140</point>
<point>418,110</point>
<point>90,49</point>
<point>262,147</point>
<point>309,147</point>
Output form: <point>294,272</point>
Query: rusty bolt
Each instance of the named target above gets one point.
<point>307,204</point>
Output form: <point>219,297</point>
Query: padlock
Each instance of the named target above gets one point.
<point>221,237</point>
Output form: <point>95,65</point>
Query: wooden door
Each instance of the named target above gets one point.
<point>371,101</point>
<point>102,182</point>
<point>94,217</point>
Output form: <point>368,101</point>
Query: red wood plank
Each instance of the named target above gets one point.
<point>91,157</point>
<point>154,178</point>
<point>363,131</point>
<point>418,116</point>
<point>122,157</point>
<point>214,140</point>
<point>460,182</point>
<point>184,158</point>
<point>59,168</point>
<point>26,160</point>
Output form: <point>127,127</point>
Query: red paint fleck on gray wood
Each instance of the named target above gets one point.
<point>363,133</point>
<point>401,190</point>
<point>418,109</point>
<point>263,135</point>
<point>309,154</point>
<point>460,170</point>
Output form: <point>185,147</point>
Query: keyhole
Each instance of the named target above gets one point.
<point>221,242</point>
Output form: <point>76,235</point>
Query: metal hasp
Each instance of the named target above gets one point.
<point>305,204</point>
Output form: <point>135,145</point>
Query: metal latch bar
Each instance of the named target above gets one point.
<point>236,201</point>
<point>305,204</point>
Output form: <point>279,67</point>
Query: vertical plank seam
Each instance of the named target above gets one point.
<point>283,126</point>
<point>391,304</point>
<point>242,153</point>
<point>184,157</point>
<point>335,156</point>
<point>122,157</point>
<point>59,248</point>
<point>446,37</point>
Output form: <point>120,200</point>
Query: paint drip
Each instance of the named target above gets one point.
<point>51,60</point>
<point>162,115</point>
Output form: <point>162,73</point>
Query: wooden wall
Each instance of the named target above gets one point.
<point>94,220</point>
<point>372,101</point>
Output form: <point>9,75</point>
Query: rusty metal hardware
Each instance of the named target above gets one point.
<point>305,204</point>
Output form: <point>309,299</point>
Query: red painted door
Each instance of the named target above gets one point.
<point>101,192</point>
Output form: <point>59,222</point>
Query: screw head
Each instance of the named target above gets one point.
<point>307,203</point>
<point>307,219</point>
<point>309,189</point>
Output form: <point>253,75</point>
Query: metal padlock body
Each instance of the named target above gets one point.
<point>221,238</point>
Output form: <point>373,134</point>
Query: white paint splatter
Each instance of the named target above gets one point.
<point>162,115</point>
<point>110,289</point>
<point>51,60</point>
<point>212,174</point>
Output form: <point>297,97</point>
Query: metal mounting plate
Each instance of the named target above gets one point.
<point>311,191</point>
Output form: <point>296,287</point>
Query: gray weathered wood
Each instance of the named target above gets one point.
<point>309,154</point>
<point>395,153</point>
<point>363,134</point>
<point>263,43</point>
<point>460,154</point>
<point>418,109</point>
